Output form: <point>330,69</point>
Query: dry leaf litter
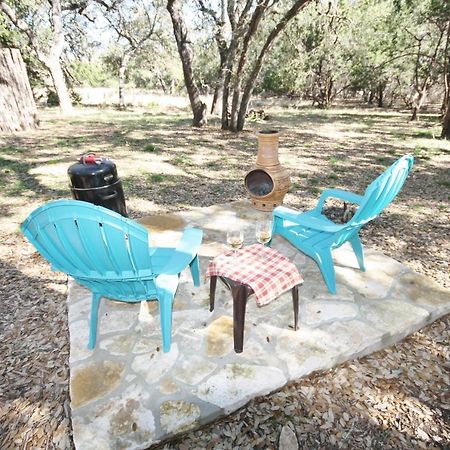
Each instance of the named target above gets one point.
<point>395,398</point>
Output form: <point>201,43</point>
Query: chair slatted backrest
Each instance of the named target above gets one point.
<point>383,190</point>
<point>377,196</point>
<point>88,241</point>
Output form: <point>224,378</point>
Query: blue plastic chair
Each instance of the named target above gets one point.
<point>110,255</point>
<point>316,236</point>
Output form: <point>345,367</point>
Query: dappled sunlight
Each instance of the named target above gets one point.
<point>52,176</point>
<point>165,164</point>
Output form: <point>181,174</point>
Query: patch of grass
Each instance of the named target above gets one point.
<point>314,190</point>
<point>181,160</point>
<point>157,177</point>
<point>150,148</point>
<point>335,160</point>
<point>213,164</point>
<point>382,160</point>
<point>427,152</point>
<point>14,176</point>
<point>429,134</point>
<point>295,187</point>
<point>72,141</point>
<point>417,207</point>
<point>332,176</point>
<point>313,181</point>
<point>445,183</point>
<point>12,149</point>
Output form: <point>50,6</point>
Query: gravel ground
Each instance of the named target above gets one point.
<point>396,398</point>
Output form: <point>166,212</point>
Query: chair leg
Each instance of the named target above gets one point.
<point>326,266</point>
<point>239,305</point>
<point>357,248</point>
<point>94,319</point>
<point>195,270</point>
<point>295,302</point>
<point>165,316</point>
<point>212,292</point>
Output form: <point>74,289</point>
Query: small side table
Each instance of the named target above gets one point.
<point>240,293</point>
<point>258,270</point>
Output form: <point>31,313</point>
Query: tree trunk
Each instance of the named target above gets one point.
<point>185,51</point>
<point>446,123</point>
<point>250,85</point>
<point>446,96</point>
<point>418,103</point>
<point>122,77</point>
<point>380,92</point>
<point>59,82</point>
<point>218,90</point>
<point>54,59</point>
<point>236,98</point>
<point>17,107</point>
<point>223,53</point>
<point>51,59</point>
<point>226,74</point>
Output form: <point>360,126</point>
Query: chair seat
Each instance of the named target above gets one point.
<point>314,218</point>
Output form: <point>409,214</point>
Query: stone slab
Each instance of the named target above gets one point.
<point>128,394</point>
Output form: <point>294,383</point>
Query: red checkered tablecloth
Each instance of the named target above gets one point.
<point>265,270</point>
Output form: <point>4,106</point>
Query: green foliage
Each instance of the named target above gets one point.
<point>8,36</point>
<point>367,48</point>
<point>94,74</point>
<point>52,98</point>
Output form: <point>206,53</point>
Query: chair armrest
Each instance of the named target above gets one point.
<point>305,220</point>
<point>340,194</point>
<point>184,253</point>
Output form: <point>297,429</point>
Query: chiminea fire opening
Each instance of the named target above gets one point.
<point>259,183</point>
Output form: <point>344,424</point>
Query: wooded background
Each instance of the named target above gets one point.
<point>387,53</point>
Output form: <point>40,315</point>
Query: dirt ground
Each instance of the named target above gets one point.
<point>396,398</point>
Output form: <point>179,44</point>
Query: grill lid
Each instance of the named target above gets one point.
<point>92,171</point>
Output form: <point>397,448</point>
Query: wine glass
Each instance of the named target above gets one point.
<point>235,239</point>
<point>263,231</point>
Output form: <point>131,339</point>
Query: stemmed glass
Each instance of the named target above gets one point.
<point>263,231</point>
<point>235,239</point>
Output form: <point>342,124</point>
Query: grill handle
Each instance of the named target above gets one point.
<point>109,197</point>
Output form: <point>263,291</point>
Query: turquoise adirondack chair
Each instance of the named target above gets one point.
<point>316,236</point>
<point>110,255</point>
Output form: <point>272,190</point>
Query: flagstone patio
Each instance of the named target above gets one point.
<point>128,394</point>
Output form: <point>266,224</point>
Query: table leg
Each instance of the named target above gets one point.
<point>240,295</point>
<point>295,301</point>
<point>212,292</point>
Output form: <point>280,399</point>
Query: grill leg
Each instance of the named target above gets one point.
<point>295,301</point>
<point>240,295</point>
<point>212,292</point>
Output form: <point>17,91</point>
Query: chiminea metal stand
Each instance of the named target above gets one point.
<point>268,182</point>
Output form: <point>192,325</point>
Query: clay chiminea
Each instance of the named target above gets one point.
<point>268,182</point>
